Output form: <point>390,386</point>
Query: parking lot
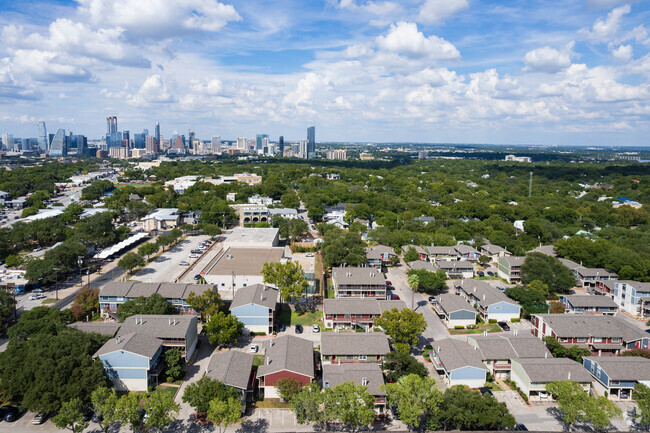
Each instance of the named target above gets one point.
<point>167,268</point>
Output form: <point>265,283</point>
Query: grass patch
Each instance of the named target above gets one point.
<point>258,360</point>
<point>493,386</point>
<point>330,293</point>
<point>49,301</point>
<point>491,327</point>
<point>271,404</point>
<point>306,318</point>
<point>284,316</point>
<point>487,277</point>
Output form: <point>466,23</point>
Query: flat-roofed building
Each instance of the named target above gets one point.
<point>252,237</point>
<point>240,266</point>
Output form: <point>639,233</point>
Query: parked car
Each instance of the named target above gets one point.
<point>9,413</point>
<point>36,296</point>
<point>481,273</point>
<point>254,348</point>
<point>194,256</point>
<point>504,326</point>
<point>543,395</point>
<point>316,328</point>
<point>37,291</point>
<point>282,327</point>
<point>299,329</point>
<point>39,418</point>
<point>393,297</point>
<point>521,427</point>
<point>184,263</point>
<point>624,394</point>
<point>197,276</point>
<point>490,273</point>
<point>432,300</point>
<point>388,283</point>
<point>309,255</point>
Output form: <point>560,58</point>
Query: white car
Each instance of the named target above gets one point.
<point>254,348</point>
<point>184,263</point>
<point>193,256</point>
<point>36,296</point>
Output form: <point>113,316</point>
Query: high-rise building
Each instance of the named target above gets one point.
<point>215,144</point>
<point>241,143</point>
<point>259,141</point>
<point>281,145</point>
<point>337,154</point>
<point>138,140</point>
<point>179,142</point>
<point>303,150</point>
<point>8,141</point>
<point>157,133</point>
<point>42,137</point>
<point>311,140</point>
<point>111,124</point>
<point>151,144</point>
<point>59,145</point>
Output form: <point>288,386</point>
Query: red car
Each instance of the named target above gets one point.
<point>388,283</point>
<point>393,297</point>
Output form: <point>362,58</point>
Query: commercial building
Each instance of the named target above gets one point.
<point>162,219</point>
<point>235,267</point>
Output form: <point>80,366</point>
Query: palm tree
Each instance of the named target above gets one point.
<point>414,282</point>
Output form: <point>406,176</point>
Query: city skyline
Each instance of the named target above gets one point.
<point>456,71</point>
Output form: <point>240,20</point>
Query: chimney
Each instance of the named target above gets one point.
<point>569,378</point>
<point>545,355</point>
<point>484,296</point>
<point>169,321</point>
<point>438,349</point>
<point>364,381</point>
<point>117,340</point>
<point>268,361</point>
<point>271,343</point>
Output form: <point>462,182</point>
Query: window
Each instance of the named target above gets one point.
<point>363,357</point>
<point>326,385</point>
<point>581,339</point>
<point>616,340</point>
<point>564,340</point>
<point>598,339</point>
<point>223,284</point>
<point>349,357</point>
<point>497,308</point>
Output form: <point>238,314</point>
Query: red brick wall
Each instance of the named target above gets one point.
<point>272,379</point>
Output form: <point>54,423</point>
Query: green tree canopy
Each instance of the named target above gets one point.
<point>207,303</point>
<point>577,406</point>
<point>560,351</point>
<point>549,270</point>
<point>86,301</point>
<point>411,255</point>
<point>429,281</point>
<point>154,304</point>
<point>147,249</point>
<point>288,277</point>
<point>466,409</point>
<point>222,328</point>
<point>161,410</point>
<point>417,399</point>
<point>199,394</point>
<point>349,404</point>
<point>403,327</point>
<point>532,301</point>
<point>398,364</point>
<point>641,395</point>
<point>288,388</point>
<point>104,402</point>
<point>130,261</point>
<point>70,416</point>
<point>7,304</point>
<point>223,412</point>
<point>342,248</point>
<point>174,364</point>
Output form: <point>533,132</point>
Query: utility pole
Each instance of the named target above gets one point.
<point>530,185</point>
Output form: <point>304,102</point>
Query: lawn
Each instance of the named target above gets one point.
<point>490,327</point>
<point>487,277</point>
<point>271,404</point>
<point>493,386</point>
<point>304,318</point>
<point>258,360</point>
<point>330,293</point>
<point>49,301</point>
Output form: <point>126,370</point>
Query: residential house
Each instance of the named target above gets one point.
<point>459,269</point>
<point>533,374</point>
<point>421,264</point>
<point>4,196</point>
<point>103,328</point>
<point>467,252</point>
<point>173,330</point>
<point>509,268</point>
<point>632,296</point>
<point>454,310</point>
<point>234,369</point>
<point>602,334</point>
<point>284,212</point>
<point>440,254</point>
<point>350,313</point>
<point>425,219</point>
<point>548,250</point>
<point>494,251</point>
<point>498,351</point>
<point>358,283</point>
<point>118,292</point>
<point>336,215</point>
<point>590,277</point>
<point>115,293</point>
<point>366,374</point>
<point>491,302</point>
<point>354,347</point>
<point>162,219</point>
<point>255,307</point>
<point>258,199</point>
<point>132,362</point>
<point>285,357</point>
<point>616,376</point>
<point>588,304</point>
<point>423,254</point>
<point>379,256</point>
<point>460,363</point>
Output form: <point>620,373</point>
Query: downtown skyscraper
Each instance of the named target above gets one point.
<point>43,142</point>
<point>311,142</point>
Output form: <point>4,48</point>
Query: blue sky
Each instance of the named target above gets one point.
<point>574,72</point>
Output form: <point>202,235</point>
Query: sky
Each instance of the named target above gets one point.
<point>570,72</point>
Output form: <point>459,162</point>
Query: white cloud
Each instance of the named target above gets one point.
<point>404,38</point>
<point>604,30</point>
<point>212,87</point>
<point>547,59</point>
<point>159,18</point>
<point>371,7</point>
<point>307,86</point>
<point>436,11</point>
<point>623,53</point>
<point>153,90</point>
<point>49,66</point>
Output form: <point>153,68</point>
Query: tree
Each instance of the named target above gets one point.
<point>549,270</point>
<point>208,302</point>
<point>176,233</point>
<point>343,248</point>
<point>104,402</point>
<point>199,394</point>
<point>70,416</point>
<point>164,241</point>
<point>174,363</point>
<point>86,301</point>
<point>161,410</point>
<point>350,405</point>
<point>465,409</point>
<point>290,200</point>
<point>559,351</point>
<point>430,281</point>
<point>147,249</point>
<point>222,328</point>
<point>403,327</point>
<point>402,364</point>
<point>7,304</point>
<point>483,259</point>
<point>641,395</point>
<point>288,277</point>
<point>154,304</point>
<point>411,255</point>
<point>531,300</point>
<point>306,405</point>
<point>540,287</point>
<point>417,399</point>
<point>414,282</point>
<point>224,412</point>
<point>577,406</point>
<point>288,388</point>
<point>127,411</point>
<point>211,230</point>
<point>130,261</point>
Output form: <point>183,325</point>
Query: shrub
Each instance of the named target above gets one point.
<point>459,327</point>
<point>514,386</point>
<point>472,326</point>
<point>492,321</point>
<point>516,320</point>
<point>359,330</point>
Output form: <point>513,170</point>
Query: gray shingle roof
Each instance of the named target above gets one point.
<point>544,370</point>
<point>372,343</point>
<point>389,305</point>
<point>588,301</point>
<point>509,347</point>
<point>288,353</point>
<point>493,249</point>
<point>632,368</point>
<point>232,368</point>
<point>116,288</point>
<point>198,289</point>
<point>376,251</point>
<point>143,289</point>
<point>258,294</point>
<point>579,325</point>
<point>140,344</point>
<point>360,306</point>
<point>638,286</point>
<point>596,272</point>
<point>134,289</point>
<point>421,264</point>
<point>455,265</point>
<point>417,248</point>
<point>104,328</point>
<point>515,261</point>
<point>451,251</point>
<point>549,250</point>
<point>465,249</point>
<point>454,354</point>
<point>569,264</point>
<point>337,374</point>
<point>358,276</point>
<point>485,293</point>
<point>451,302</point>
<point>159,326</point>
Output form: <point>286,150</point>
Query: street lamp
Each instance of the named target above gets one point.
<point>80,261</point>
<point>56,285</point>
